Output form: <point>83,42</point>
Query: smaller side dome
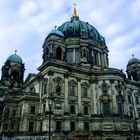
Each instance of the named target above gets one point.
<point>56,32</point>
<point>133,61</point>
<point>14,58</point>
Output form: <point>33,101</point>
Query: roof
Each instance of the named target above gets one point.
<point>56,32</point>
<point>133,61</point>
<point>78,28</point>
<point>14,58</point>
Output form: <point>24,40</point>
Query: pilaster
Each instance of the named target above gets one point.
<point>79,97</point>
<point>66,108</point>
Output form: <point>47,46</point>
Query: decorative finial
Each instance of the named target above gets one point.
<point>75,11</point>
<point>55,26</point>
<point>133,55</point>
<point>15,51</point>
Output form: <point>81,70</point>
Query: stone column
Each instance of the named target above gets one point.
<point>102,59</point>
<point>49,87</point>
<point>99,59</point>
<point>114,102</point>
<point>40,95</point>
<point>93,98</point>
<point>126,105</point>
<point>79,97</point>
<point>74,55</point>
<point>105,61</point>
<point>66,107</point>
<point>97,97</point>
<point>134,102</point>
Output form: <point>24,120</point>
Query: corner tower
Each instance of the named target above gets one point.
<point>13,72</point>
<point>133,69</point>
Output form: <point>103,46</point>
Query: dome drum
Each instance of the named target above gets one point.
<point>76,42</point>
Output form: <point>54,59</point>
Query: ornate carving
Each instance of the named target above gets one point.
<point>118,87</point>
<point>104,87</point>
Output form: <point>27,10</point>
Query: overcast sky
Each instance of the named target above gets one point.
<point>24,24</point>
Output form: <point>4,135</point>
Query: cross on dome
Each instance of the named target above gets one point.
<point>15,51</point>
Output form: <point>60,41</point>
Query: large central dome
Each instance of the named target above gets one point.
<point>78,28</point>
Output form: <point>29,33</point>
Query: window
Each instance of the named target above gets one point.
<point>139,114</point>
<point>85,110</point>
<point>120,108</point>
<point>129,99</point>
<point>44,107</point>
<point>14,74</point>
<point>71,90</point>
<point>58,53</point>
<point>131,112</point>
<point>5,126</point>
<point>21,110</point>
<point>45,88</point>
<point>58,125</point>
<point>40,128</point>
<point>31,126</point>
<point>32,109</point>
<point>32,89</point>
<point>72,126</point>
<point>14,113</point>
<point>72,109</point>
<point>12,125</point>
<point>137,99</point>
<point>77,56</point>
<point>70,56</point>
<point>95,59</point>
<point>84,92</point>
<point>106,108</point>
<point>86,125</point>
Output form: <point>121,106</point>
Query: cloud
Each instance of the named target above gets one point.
<point>27,8</point>
<point>25,24</point>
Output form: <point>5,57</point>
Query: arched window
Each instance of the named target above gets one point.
<point>70,56</point>
<point>73,56</point>
<point>120,111</point>
<point>71,89</point>
<point>84,91</point>
<point>94,58</point>
<point>58,53</point>
<point>119,99</point>
<point>32,89</point>
<point>84,53</point>
<point>106,106</point>
<point>77,56</point>
<point>14,74</point>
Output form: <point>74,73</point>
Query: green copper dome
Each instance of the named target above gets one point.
<point>15,58</point>
<point>133,61</point>
<point>56,32</point>
<point>78,28</point>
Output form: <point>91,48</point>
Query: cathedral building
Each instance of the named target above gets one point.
<point>75,95</point>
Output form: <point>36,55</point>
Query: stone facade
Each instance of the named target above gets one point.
<point>90,100</point>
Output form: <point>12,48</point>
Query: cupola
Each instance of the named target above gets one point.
<point>133,69</point>
<point>13,71</point>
